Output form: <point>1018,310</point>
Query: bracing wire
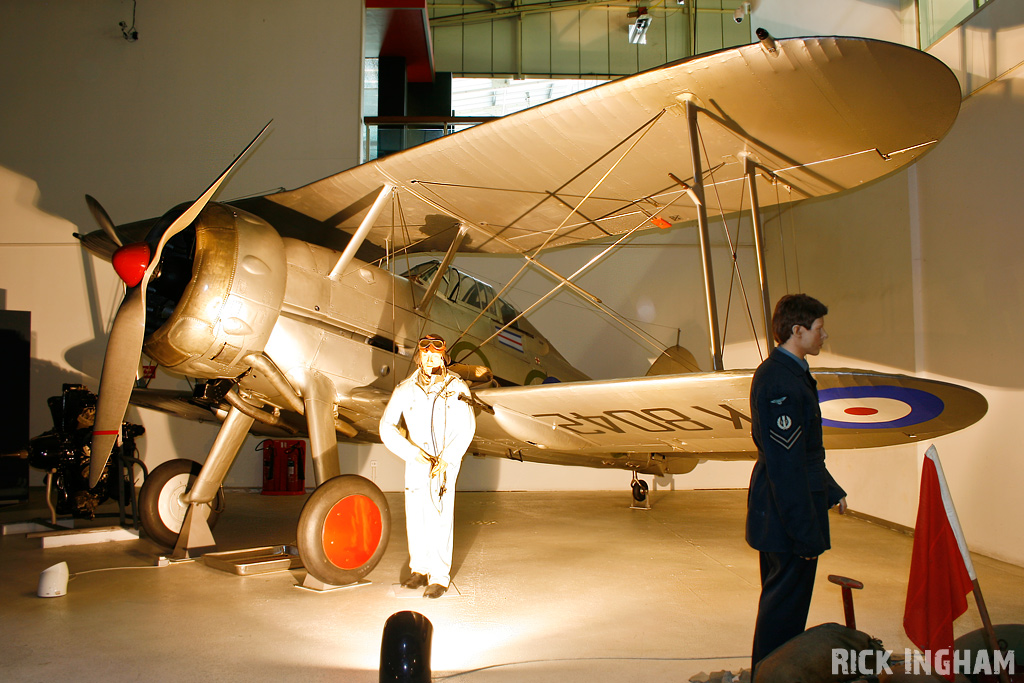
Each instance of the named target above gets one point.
<point>558,286</point>
<point>645,129</point>
<point>388,251</point>
<point>735,264</point>
<point>732,247</point>
<point>782,237</point>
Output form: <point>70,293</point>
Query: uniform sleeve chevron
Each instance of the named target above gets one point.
<point>786,442</point>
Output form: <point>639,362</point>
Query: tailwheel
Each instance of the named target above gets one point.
<point>344,529</point>
<point>640,489</point>
<point>161,500</point>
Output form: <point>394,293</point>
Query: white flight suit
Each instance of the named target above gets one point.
<point>442,425</point>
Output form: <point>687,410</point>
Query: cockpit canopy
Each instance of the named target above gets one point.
<point>459,287</point>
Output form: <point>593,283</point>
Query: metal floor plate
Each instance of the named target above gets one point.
<point>251,561</point>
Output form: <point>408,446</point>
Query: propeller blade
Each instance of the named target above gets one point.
<point>124,349</point>
<point>185,219</point>
<point>128,334</point>
<point>103,219</point>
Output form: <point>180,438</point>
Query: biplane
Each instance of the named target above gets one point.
<point>294,337</point>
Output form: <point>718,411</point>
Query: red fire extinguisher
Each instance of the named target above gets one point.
<point>284,466</point>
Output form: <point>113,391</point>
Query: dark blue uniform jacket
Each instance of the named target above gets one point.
<point>790,489</point>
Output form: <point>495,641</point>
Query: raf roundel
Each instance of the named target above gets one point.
<point>877,407</point>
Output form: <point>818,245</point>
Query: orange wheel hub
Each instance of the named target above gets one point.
<point>352,532</point>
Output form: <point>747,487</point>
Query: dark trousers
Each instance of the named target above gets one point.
<point>786,585</point>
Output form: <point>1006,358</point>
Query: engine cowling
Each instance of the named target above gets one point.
<point>218,294</point>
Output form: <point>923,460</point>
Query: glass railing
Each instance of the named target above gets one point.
<point>936,18</point>
<point>389,134</point>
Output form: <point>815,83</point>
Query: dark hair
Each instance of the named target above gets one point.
<point>795,309</point>
<point>416,354</point>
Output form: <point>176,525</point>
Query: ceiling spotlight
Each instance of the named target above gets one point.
<point>767,42</point>
<point>638,29</point>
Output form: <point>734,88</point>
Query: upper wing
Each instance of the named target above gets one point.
<point>822,114</point>
<point>707,416</point>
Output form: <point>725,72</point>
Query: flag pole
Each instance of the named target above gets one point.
<point>979,599</point>
<point>989,630</point>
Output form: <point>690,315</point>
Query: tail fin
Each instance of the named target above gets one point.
<point>674,360</point>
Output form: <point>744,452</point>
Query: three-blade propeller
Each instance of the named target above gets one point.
<point>136,265</point>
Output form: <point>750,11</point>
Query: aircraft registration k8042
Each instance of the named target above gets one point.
<point>294,337</point>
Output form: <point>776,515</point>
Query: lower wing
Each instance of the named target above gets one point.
<point>668,423</point>
<point>663,424</point>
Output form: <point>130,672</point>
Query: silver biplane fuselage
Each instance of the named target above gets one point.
<point>265,310</point>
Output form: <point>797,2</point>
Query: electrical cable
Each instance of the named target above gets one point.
<point>588,659</point>
<point>130,34</point>
<point>74,575</point>
<point>443,479</point>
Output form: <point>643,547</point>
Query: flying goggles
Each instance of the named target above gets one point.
<point>431,345</point>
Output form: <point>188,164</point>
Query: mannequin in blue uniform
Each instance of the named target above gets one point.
<point>790,489</point>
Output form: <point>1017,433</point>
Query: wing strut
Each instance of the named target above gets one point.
<point>750,171</point>
<point>364,229</point>
<point>428,296</point>
<point>705,242</point>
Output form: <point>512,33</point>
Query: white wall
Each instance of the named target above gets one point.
<point>879,19</point>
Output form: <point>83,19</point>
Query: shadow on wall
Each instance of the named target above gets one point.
<point>971,242</point>
<point>855,253</point>
<point>87,357</point>
<point>982,48</point>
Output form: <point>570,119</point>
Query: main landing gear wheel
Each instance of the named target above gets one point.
<point>344,529</point>
<point>161,505</point>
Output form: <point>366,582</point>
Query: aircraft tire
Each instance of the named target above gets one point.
<point>344,529</point>
<point>640,489</point>
<point>160,508</point>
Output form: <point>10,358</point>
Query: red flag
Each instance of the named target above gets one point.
<point>941,571</point>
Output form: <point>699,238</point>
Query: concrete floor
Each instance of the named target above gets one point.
<point>554,587</point>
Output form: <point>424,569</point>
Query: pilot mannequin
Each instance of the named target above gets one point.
<point>439,426</point>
